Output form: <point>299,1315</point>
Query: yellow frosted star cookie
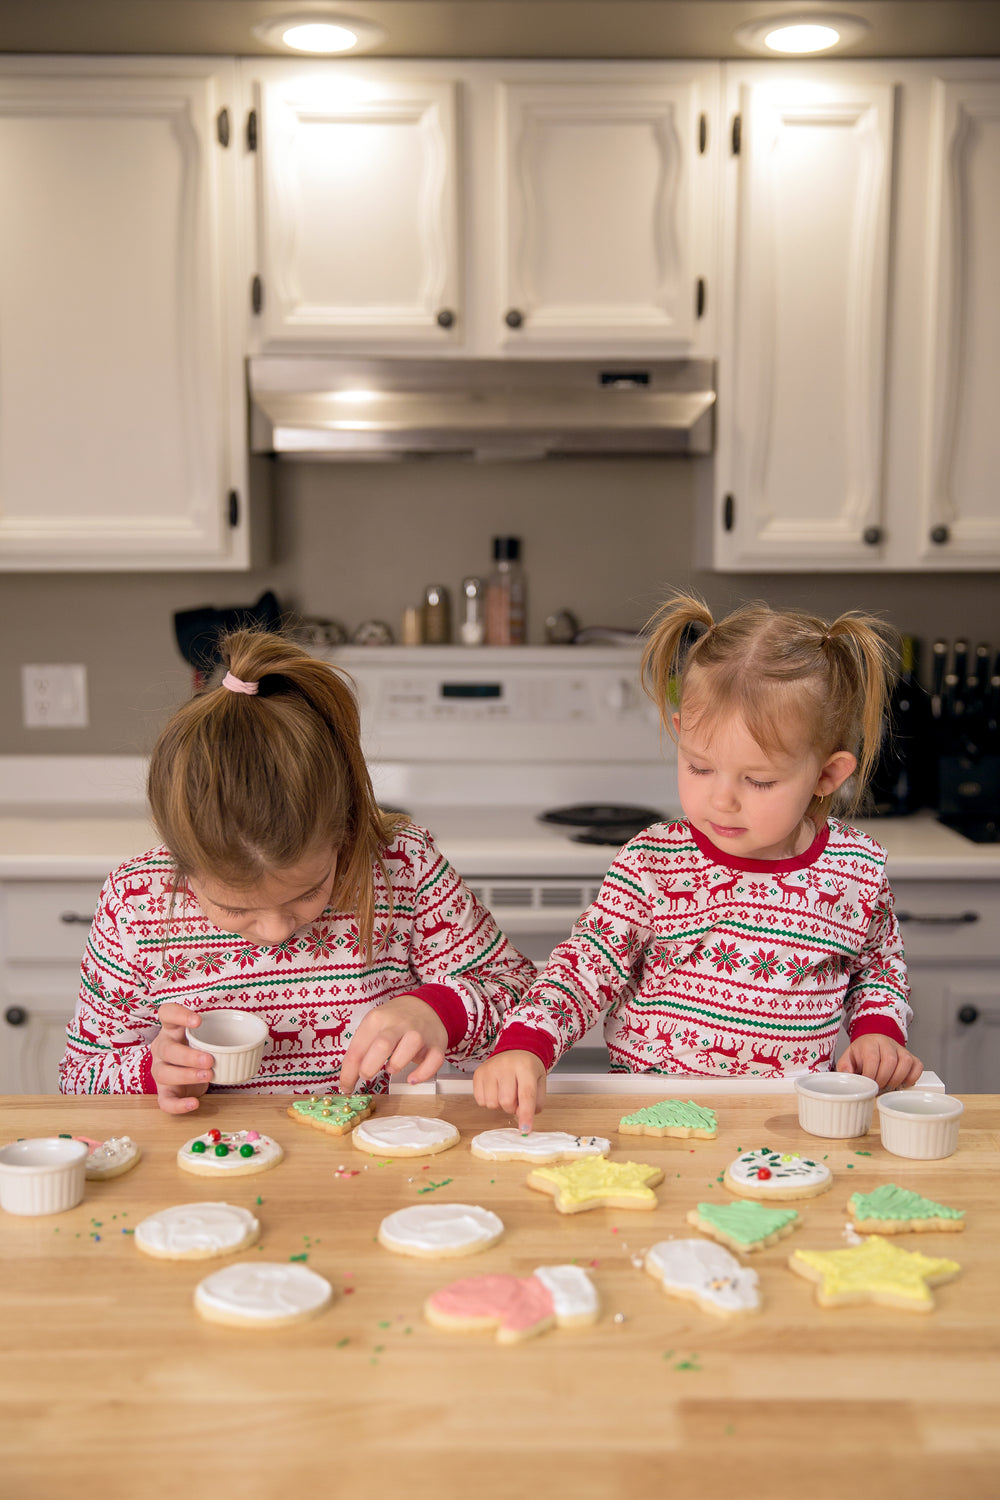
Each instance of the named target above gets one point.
<point>595,1183</point>
<point>877,1270</point>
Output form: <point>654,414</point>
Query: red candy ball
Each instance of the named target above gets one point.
<point>763,1173</point>
<point>214,1135</point>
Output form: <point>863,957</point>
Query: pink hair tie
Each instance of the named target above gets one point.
<point>236,686</point>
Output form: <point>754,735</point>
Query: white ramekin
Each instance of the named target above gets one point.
<point>44,1175</point>
<point>919,1124</point>
<point>235,1040</point>
<point>835,1105</point>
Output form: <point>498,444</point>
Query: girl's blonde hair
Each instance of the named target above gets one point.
<point>241,785</point>
<point>780,670</point>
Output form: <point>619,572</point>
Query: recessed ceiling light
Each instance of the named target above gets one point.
<point>319,31</point>
<point>816,31</point>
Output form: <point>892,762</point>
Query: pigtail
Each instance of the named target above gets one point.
<point>673,631</point>
<point>863,655</point>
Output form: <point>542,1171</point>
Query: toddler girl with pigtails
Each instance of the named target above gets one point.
<point>737,940</point>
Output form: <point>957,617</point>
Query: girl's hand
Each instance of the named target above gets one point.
<point>514,1082</point>
<point>881,1058</point>
<point>395,1033</point>
<point>181,1074</point>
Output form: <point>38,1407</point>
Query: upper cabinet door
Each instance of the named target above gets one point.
<point>357,227</point>
<point>960,431</point>
<point>803,358</point>
<point>604,229</point>
<point>121,422</point>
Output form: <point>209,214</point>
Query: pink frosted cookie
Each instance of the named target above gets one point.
<point>237,1153</point>
<point>110,1158</point>
<point>518,1307</point>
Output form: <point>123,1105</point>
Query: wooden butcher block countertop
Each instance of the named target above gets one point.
<point>112,1386</point>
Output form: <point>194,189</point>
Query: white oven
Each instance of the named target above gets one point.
<point>477,744</point>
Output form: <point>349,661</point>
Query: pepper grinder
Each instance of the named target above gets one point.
<point>437,615</point>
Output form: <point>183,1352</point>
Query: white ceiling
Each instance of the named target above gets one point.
<point>495,28</point>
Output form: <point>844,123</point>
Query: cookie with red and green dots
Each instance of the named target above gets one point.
<point>776,1175</point>
<point>229,1153</point>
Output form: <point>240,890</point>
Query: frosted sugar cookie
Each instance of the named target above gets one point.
<point>196,1231</point>
<point>672,1117</point>
<point>540,1146</point>
<point>704,1273</point>
<point>334,1113</point>
<point>895,1210</point>
<point>262,1294</point>
<point>237,1153</point>
<point>405,1135</point>
<point>436,1230</point>
<point>110,1158</point>
<point>743,1226</point>
<point>776,1175</point>
<point>874,1271</point>
<point>596,1183</point>
<point>518,1307</point>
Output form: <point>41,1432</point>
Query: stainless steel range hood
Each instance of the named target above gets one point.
<point>488,409</point>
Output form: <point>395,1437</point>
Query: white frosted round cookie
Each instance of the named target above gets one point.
<point>539,1146</point>
<point>237,1153</point>
<point>110,1158</point>
<point>261,1294</point>
<point>404,1135</point>
<point>775,1175</point>
<point>196,1231</point>
<point>440,1230</point>
<point>703,1272</point>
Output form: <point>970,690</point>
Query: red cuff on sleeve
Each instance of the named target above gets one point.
<point>449,1006</point>
<point>148,1084</point>
<point>879,1025</point>
<point>521,1038</point>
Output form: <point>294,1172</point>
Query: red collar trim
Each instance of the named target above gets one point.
<point>763,866</point>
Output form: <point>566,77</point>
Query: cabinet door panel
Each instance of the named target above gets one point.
<point>32,1047</point>
<point>972,1034</point>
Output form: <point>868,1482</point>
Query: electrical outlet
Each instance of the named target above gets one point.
<point>55,697</point>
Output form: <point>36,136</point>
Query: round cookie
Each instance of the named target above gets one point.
<point>776,1175</point>
<point>110,1158</point>
<point>540,1146</point>
<point>238,1153</point>
<point>404,1135</point>
<point>702,1272</point>
<point>440,1230</point>
<point>261,1294</point>
<point>196,1231</point>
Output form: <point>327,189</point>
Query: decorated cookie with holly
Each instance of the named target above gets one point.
<point>895,1210</point>
<point>775,1175</point>
<point>672,1117</point>
<point>237,1153</point>
<point>405,1135</point>
<point>596,1183</point>
<point>435,1231</point>
<point>704,1273</point>
<point>538,1146</point>
<point>877,1270</point>
<point>518,1307</point>
<point>196,1231</point>
<point>110,1158</point>
<point>743,1226</point>
<point>262,1294</point>
<point>334,1113</point>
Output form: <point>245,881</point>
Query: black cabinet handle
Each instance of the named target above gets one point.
<point>938,919</point>
<point>445,318</point>
<point>968,1014</point>
<point>940,535</point>
<point>74,918</point>
<point>513,317</point>
<point>871,536</point>
<point>15,1015</point>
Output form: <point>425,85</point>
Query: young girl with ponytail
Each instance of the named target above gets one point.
<point>737,940</point>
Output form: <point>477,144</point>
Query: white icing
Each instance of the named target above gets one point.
<point>434,1227</point>
<point>571,1289</point>
<point>265,1150</point>
<point>851,1234</point>
<point>786,1168</point>
<point>116,1151</point>
<point>540,1143</point>
<point>264,1290</point>
<point>208,1228</point>
<point>406,1132</point>
<point>706,1268</point>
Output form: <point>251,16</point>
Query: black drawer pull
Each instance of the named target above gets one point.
<point>968,1015</point>
<point>74,918</point>
<point>15,1015</point>
<point>938,919</point>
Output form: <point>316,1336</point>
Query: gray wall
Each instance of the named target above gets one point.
<point>604,538</point>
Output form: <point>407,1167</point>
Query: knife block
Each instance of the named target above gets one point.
<point>969,787</point>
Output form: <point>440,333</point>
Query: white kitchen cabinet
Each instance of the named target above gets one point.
<point>861,319</point>
<point>122,421</point>
<point>482,209</point>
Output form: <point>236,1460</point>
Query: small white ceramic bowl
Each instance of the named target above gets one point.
<point>235,1040</point>
<point>835,1105</point>
<point>44,1175</point>
<point>919,1124</point>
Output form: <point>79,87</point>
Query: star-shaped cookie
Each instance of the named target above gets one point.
<point>595,1183</point>
<point>877,1270</point>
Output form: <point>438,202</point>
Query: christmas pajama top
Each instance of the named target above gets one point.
<point>701,962</point>
<point>312,990</point>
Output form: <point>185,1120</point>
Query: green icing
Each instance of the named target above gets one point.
<point>673,1112</point>
<point>746,1221</point>
<point>338,1109</point>
<point>892,1202</point>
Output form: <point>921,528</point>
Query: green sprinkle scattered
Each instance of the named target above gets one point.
<point>850,1166</point>
<point>127,1231</point>
<point>384,1323</point>
<point>407,1330</point>
<point>379,1348</point>
<point>862,1153</point>
<point>303,1256</point>
<point>669,1354</point>
<point>729,1429</point>
<point>342,1342</point>
<point>259,1198</point>
<point>691,1363</point>
<point>430,1187</point>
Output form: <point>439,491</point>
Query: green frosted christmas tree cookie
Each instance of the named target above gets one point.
<point>746,1225</point>
<point>895,1210</point>
<point>671,1117</point>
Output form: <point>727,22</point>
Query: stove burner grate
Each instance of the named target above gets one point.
<point>617,834</point>
<point>604,815</point>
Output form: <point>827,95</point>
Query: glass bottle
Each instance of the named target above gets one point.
<point>505,612</point>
